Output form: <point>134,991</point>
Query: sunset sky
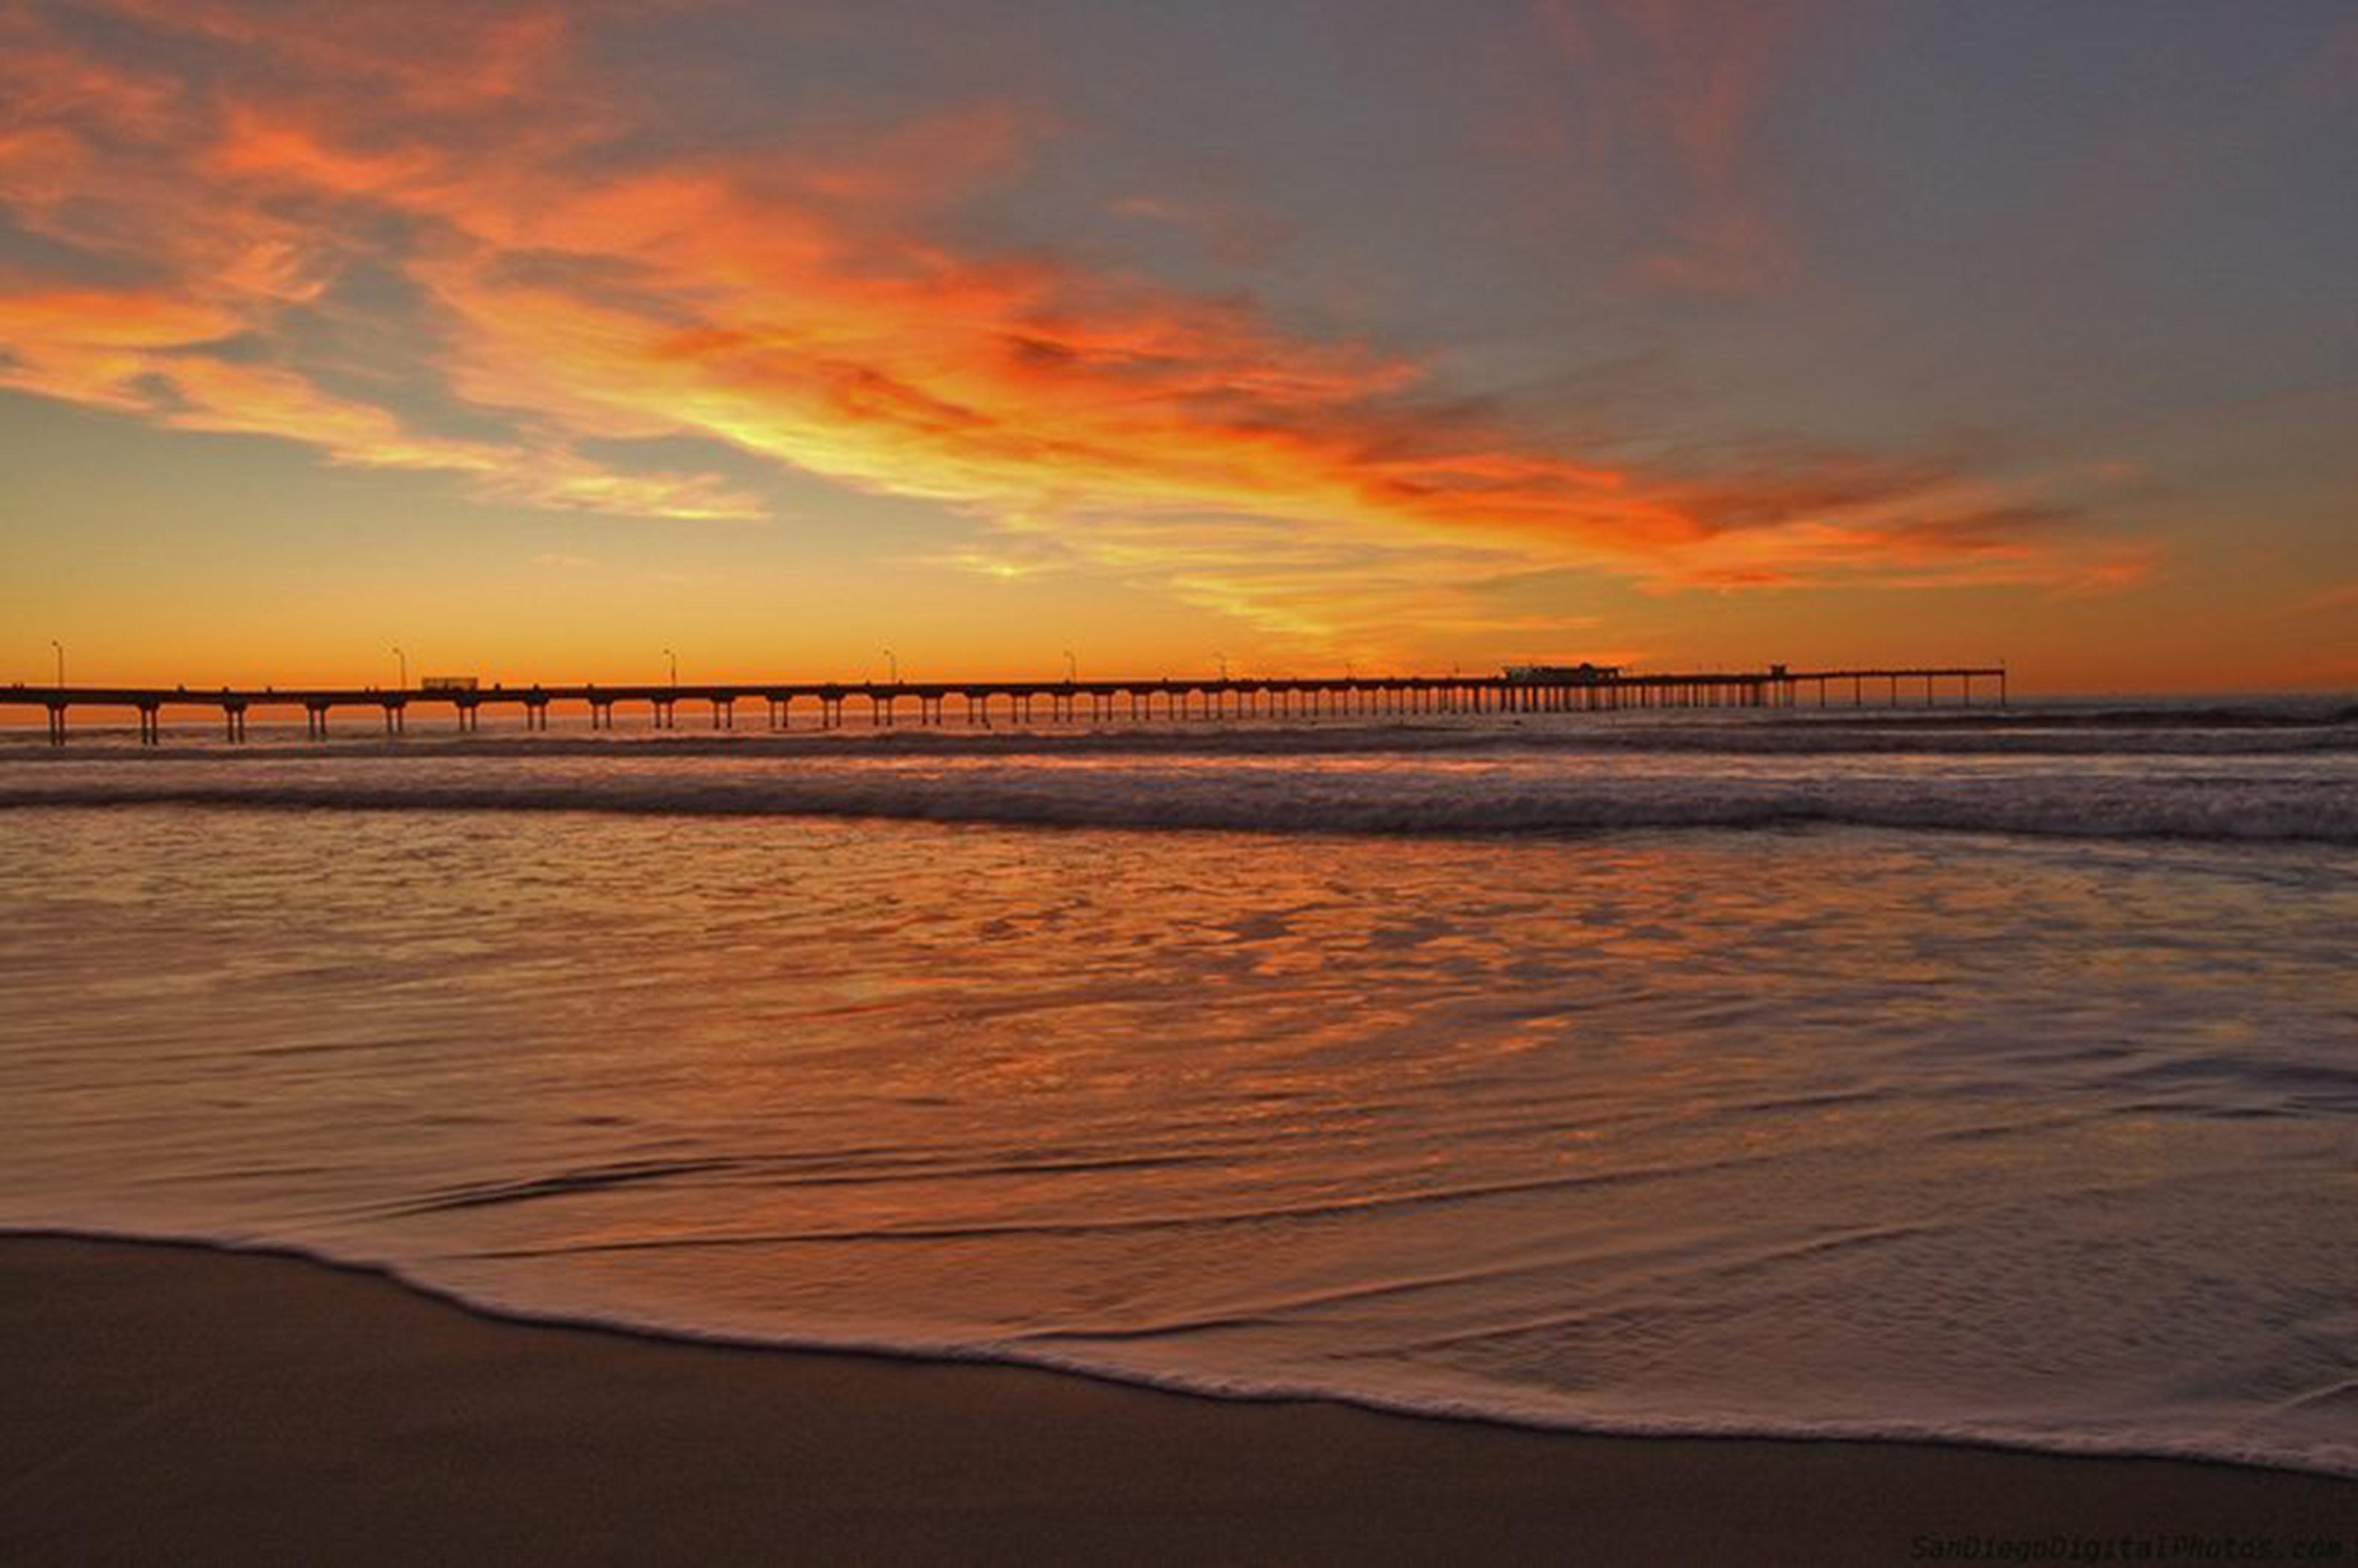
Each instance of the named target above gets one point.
<point>538,340</point>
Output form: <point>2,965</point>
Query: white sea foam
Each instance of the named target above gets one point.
<point>2182,1435</point>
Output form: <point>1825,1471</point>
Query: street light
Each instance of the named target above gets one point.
<point>675,665</point>
<point>1072,670</point>
<point>1224,664</point>
<point>405,669</point>
<point>894,664</point>
<point>60,647</point>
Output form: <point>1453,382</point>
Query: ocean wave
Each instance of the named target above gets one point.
<point>2058,731</point>
<point>2318,805</point>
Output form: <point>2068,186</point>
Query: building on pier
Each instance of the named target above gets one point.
<point>1559,675</point>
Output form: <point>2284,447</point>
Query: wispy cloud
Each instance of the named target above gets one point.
<point>1677,89</point>
<point>2340,596</point>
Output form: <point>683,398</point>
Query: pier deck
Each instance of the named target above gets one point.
<point>1067,701</point>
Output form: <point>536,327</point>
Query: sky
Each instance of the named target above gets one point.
<point>538,341</point>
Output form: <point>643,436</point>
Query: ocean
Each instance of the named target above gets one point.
<point>1987,1077</point>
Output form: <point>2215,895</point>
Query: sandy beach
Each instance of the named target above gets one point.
<point>180,1405</point>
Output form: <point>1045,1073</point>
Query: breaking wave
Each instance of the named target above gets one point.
<point>2312,799</point>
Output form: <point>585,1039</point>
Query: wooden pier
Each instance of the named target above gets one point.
<point>1164,700</point>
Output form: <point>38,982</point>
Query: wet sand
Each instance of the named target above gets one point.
<point>162,1404</point>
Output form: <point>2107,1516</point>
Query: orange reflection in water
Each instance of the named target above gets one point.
<point>1560,1111</point>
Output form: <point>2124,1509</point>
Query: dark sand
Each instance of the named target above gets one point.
<point>178,1405</point>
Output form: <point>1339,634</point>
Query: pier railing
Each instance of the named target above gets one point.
<point>1166,699</point>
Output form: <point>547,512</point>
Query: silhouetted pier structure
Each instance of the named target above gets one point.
<point>1166,699</point>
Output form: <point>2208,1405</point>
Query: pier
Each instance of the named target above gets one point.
<point>1163,700</point>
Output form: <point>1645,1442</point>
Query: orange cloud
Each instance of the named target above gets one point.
<point>109,318</point>
<point>581,282</point>
<point>256,147</point>
<point>94,346</point>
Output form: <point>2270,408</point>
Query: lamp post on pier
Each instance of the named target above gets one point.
<point>1072,669</point>
<point>405,669</point>
<point>60,647</point>
<point>675,665</point>
<point>894,664</point>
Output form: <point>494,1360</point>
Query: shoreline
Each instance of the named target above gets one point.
<point>175,1400</point>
